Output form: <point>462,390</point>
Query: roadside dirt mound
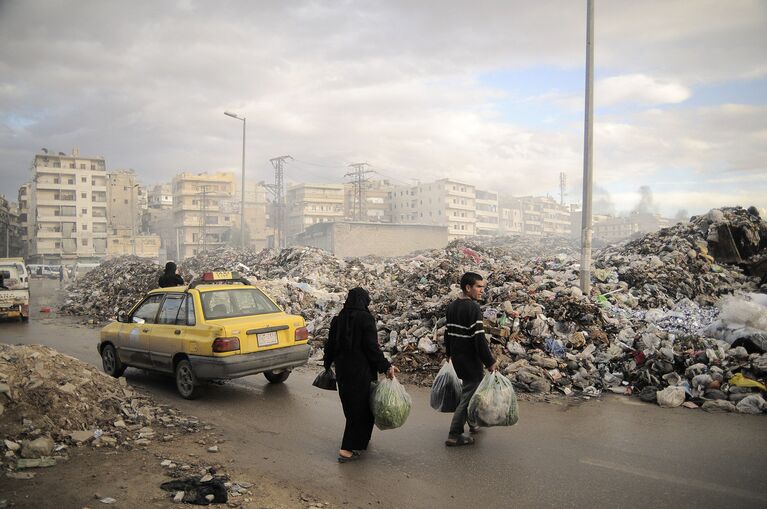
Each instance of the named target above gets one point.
<point>48,400</point>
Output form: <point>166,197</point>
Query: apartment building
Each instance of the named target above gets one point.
<point>374,207</point>
<point>538,215</point>
<point>66,208</point>
<point>123,197</point>
<point>308,204</point>
<point>24,194</point>
<point>510,221</point>
<point>160,197</point>
<point>201,222</point>
<point>488,215</point>
<point>10,231</point>
<point>256,216</point>
<point>444,202</point>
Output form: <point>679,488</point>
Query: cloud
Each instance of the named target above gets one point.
<point>638,88</point>
<point>391,83</point>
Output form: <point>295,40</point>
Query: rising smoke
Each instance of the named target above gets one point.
<point>646,203</point>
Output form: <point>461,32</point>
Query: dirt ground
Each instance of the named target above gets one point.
<point>133,478</point>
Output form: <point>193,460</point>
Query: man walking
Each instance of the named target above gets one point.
<point>467,348</point>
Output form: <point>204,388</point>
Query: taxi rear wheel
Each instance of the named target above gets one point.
<point>186,381</point>
<point>276,378</point>
<point>111,362</point>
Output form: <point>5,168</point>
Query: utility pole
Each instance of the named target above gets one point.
<point>562,187</point>
<point>360,186</point>
<point>588,139</point>
<point>278,190</point>
<point>204,216</point>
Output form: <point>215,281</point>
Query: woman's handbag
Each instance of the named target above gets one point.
<point>326,380</point>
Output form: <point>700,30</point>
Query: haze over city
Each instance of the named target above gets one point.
<point>490,93</point>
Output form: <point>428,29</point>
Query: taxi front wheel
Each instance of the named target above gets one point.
<point>186,382</point>
<point>276,378</point>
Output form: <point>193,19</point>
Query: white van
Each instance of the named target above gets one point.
<point>19,270</point>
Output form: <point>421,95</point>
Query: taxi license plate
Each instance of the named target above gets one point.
<point>267,339</point>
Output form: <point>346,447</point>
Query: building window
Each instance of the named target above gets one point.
<point>57,245</point>
<point>93,166</point>
<point>84,212</point>
<point>82,166</point>
<point>126,201</point>
<point>84,242</point>
<point>84,179</point>
<point>57,164</point>
<point>72,165</point>
<point>85,227</point>
<point>71,182</point>
<point>83,195</point>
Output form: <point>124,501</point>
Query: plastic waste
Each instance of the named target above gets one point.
<point>753,404</point>
<point>390,404</point>
<point>671,397</point>
<point>446,389</point>
<point>494,403</point>
<point>739,380</point>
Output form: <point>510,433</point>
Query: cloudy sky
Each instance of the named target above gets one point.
<point>490,92</point>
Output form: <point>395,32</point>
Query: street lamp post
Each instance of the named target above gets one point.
<point>242,202</point>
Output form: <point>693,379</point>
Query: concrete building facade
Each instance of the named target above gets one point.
<point>540,215</point>
<point>10,229</point>
<point>309,204</point>
<point>445,202</point>
<point>66,204</point>
<point>488,215</point>
<point>160,197</point>
<point>200,220</point>
<point>375,207</point>
<point>353,239</point>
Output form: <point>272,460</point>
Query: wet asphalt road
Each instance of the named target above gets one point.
<point>617,452</point>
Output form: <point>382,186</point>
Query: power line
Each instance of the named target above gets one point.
<point>278,190</point>
<point>359,183</point>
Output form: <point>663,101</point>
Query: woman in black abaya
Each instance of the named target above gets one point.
<point>353,346</point>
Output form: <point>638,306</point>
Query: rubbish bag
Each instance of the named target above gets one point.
<point>739,380</point>
<point>494,403</point>
<point>196,491</point>
<point>390,404</point>
<point>753,404</point>
<point>446,389</point>
<point>326,380</point>
<point>671,397</point>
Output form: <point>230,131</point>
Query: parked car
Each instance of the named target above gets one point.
<point>216,328</point>
<point>14,295</point>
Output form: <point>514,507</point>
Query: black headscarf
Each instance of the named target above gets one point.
<point>357,302</point>
<point>170,268</point>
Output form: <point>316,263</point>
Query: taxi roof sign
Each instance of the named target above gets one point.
<point>219,276</point>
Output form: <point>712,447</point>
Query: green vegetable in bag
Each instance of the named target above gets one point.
<point>390,404</point>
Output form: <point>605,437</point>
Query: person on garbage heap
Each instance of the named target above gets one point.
<point>170,277</point>
<point>352,345</point>
<point>467,348</point>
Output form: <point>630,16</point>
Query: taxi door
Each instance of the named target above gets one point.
<point>168,333</point>
<point>133,346</point>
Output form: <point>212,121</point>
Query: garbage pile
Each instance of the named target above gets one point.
<point>50,402</point>
<point>648,320</point>
<point>114,285</point>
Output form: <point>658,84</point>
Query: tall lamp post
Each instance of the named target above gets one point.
<point>242,202</point>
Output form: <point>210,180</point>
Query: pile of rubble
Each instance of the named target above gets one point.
<point>114,285</point>
<point>640,331</point>
<point>50,402</point>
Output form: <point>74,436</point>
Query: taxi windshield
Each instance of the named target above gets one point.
<point>235,302</point>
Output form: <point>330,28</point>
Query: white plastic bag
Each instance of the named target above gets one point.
<point>446,389</point>
<point>671,397</point>
<point>494,403</point>
<point>390,404</point>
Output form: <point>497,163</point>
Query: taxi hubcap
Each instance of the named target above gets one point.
<point>109,360</point>
<point>185,379</point>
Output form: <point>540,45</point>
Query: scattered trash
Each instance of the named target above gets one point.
<point>660,304</point>
<point>195,491</point>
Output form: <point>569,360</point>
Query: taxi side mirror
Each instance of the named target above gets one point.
<point>122,317</point>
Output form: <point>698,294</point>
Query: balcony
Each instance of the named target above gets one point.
<point>52,186</point>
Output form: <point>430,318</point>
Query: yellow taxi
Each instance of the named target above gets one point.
<point>217,328</point>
